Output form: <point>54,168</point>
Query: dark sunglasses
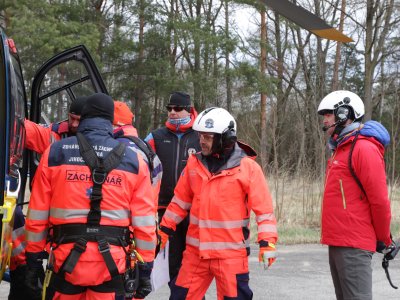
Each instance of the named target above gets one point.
<point>175,108</point>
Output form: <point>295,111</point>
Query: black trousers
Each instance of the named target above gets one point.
<point>177,244</point>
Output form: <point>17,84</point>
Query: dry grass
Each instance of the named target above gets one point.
<point>297,203</point>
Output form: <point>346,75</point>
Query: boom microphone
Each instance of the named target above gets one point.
<point>325,128</point>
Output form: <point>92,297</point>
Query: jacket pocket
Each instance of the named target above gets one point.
<point>342,192</point>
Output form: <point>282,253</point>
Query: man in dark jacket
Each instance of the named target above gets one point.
<point>356,208</point>
<point>173,144</point>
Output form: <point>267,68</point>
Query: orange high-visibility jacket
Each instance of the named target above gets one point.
<point>220,204</point>
<point>18,240</point>
<point>61,195</point>
<point>39,137</point>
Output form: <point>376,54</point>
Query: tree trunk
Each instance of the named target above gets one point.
<point>228,78</point>
<point>263,100</point>
<point>139,92</point>
<point>335,81</point>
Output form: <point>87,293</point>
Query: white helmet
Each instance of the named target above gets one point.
<point>220,122</point>
<point>342,98</point>
<point>214,120</point>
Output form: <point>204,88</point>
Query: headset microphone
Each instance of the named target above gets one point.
<point>325,128</point>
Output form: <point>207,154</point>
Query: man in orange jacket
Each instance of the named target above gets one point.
<point>218,188</point>
<point>86,212</point>
<point>38,138</point>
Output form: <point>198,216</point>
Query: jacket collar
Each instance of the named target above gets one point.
<point>240,151</point>
<point>100,125</point>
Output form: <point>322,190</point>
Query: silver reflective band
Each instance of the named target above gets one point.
<point>63,213</point>
<point>18,232</point>
<point>265,217</point>
<point>35,236</point>
<point>267,228</point>
<point>223,224</point>
<point>37,215</point>
<point>222,245</point>
<point>19,249</point>
<point>192,241</point>
<point>145,245</point>
<point>182,204</point>
<point>144,221</point>
<point>170,215</point>
<point>194,220</point>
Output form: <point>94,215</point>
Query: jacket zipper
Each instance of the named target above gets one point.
<point>342,191</point>
<point>177,160</point>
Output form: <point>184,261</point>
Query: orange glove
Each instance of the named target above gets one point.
<point>163,239</point>
<point>267,255</point>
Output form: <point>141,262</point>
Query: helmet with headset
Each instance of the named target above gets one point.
<point>344,105</point>
<point>219,122</point>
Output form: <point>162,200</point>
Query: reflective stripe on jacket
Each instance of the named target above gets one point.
<point>18,239</point>
<point>220,205</point>
<point>61,192</point>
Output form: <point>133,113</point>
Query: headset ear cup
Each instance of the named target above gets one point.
<point>228,137</point>
<point>341,114</point>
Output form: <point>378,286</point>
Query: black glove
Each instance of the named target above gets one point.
<point>143,289</point>
<point>34,275</point>
<point>380,246</point>
<point>391,251</point>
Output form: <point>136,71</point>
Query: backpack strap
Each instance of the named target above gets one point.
<point>353,173</point>
<point>146,149</point>
<point>99,169</point>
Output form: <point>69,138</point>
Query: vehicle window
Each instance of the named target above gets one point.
<point>60,84</point>
<point>17,134</point>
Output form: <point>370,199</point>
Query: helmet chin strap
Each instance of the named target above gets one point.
<point>338,130</point>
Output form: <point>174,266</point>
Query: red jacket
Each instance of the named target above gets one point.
<point>350,218</point>
<point>220,204</point>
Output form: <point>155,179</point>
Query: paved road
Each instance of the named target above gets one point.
<point>301,273</point>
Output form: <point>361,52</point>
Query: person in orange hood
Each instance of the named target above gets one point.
<point>218,189</point>
<point>125,132</point>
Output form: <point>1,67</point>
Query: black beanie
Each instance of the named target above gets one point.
<point>179,99</point>
<point>98,106</point>
<point>77,105</point>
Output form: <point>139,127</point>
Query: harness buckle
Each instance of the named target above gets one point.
<point>99,176</point>
<point>80,245</point>
<point>104,246</point>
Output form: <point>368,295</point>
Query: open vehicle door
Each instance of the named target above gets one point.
<point>13,110</point>
<point>60,80</point>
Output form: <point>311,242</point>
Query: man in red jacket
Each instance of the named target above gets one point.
<point>356,209</point>
<point>218,189</point>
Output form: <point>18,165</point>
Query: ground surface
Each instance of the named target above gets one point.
<point>302,272</point>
